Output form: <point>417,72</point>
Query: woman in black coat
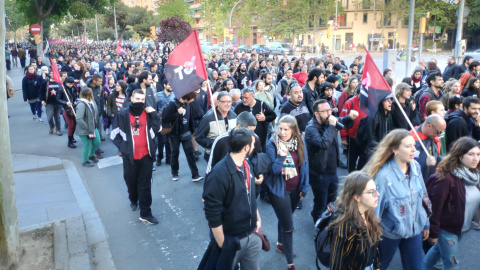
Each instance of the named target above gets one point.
<point>31,92</point>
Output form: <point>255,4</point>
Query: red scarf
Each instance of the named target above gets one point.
<point>415,80</point>
<point>424,137</point>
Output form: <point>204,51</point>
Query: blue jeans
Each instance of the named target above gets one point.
<point>324,188</point>
<point>411,252</point>
<point>446,249</point>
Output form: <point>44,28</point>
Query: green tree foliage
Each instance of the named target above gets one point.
<point>443,12</point>
<point>170,8</point>
<point>15,19</point>
<point>128,17</point>
<point>173,30</point>
<point>285,21</point>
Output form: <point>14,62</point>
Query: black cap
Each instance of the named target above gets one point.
<point>69,80</point>
<point>333,78</point>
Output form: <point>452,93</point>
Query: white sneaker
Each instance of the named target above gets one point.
<point>475,226</point>
<point>175,178</point>
<point>40,120</point>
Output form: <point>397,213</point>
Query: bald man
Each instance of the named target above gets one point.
<point>428,132</point>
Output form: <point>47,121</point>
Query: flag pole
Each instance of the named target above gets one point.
<point>214,108</point>
<point>68,99</point>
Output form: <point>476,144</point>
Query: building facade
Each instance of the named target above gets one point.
<point>148,4</point>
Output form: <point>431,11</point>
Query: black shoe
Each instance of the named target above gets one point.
<point>94,159</point>
<point>88,164</point>
<point>342,165</point>
<point>159,162</point>
<point>101,151</point>
<point>133,206</point>
<point>300,205</point>
<point>99,156</point>
<point>149,220</point>
<point>196,178</point>
<point>74,141</point>
<point>71,145</point>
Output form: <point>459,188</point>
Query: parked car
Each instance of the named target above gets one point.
<point>231,47</point>
<point>206,48</point>
<point>475,54</point>
<point>217,48</point>
<point>279,48</point>
<point>244,48</point>
<point>260,48</point>
<point>206,43</point>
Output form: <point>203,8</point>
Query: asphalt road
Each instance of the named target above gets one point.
<point>181,237</point>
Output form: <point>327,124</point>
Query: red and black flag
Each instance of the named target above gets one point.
<point>374,87</point>
<point>120,50</point>
<point>56,75</point>
<point>185,69</point>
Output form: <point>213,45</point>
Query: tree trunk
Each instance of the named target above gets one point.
<point>40,45</point>
<point>9,239</point>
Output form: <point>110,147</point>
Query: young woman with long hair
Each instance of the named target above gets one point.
<point>455,199</point>
<point>348,92</point>
<point>451,88</point>
<point>400,204</point>
<point>356,231</point>
<point>288,182</point>
<point>472,87</point>
<point>417,80</point>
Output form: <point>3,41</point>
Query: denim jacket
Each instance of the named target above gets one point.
<point>400,207</point>
<point>163,100</point>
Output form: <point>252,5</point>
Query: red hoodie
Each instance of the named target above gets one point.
<point>352,103</point>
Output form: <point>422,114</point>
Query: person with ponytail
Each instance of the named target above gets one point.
<point>288,182</point>
<point>356,232</point>
<point>403,201</point>
<point>455,200</point>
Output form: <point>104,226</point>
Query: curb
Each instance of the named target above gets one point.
<point>101,257</point>
<point>70,245</point>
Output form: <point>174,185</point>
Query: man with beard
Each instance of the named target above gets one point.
<point>137,123</point>
<point>354,69</point>
<point>323,153</point>
<point>295,106</point>
<point>464,122</point>
<point>269,87</point>
<point>241,76</point>
<point>315,78</point>
<point>164,97</point>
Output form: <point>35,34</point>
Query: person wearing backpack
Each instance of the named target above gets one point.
<point>355,233</point>
<point>403,203</point>
<point>163,98</point>
<point>472,71</point>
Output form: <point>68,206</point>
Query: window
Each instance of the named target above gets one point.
<point>365,17</point>
<point>348,38</point>
<point>366,4</point>
<point>342,20</point>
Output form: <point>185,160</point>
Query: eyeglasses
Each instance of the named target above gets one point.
<point>438,131</point>
<point>325,111</point>
<point>226,101</point>
<point>374,193</point>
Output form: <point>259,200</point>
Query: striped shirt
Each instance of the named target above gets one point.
<point>347,250</point>
<point>119,101</point>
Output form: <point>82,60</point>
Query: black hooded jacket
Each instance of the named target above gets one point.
<point>459,125</point>
<point>380,126</point>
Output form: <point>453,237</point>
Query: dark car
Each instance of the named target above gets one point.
<point>260,48</point>
<point>244,48</point>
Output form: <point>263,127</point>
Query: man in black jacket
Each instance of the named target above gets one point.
<point>315,78</point>
<point>230,205</point>
<point>260,110</point>
<point>449,71</point>
<point>179,114</point>
<point>463,122</point>
<point>133,134</point>
<point>322,144</point>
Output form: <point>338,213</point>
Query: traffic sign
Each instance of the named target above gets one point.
<point>35,29</point>
<point>230,30</point>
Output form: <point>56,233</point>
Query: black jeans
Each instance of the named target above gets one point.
<point>354,154</point>
<point>138,178</point>
<point>324,188</point>
<point>284,208</point>
<point>188,149</point>
<point>163,141</point>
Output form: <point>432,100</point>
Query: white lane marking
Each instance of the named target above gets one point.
<point>110,161</point>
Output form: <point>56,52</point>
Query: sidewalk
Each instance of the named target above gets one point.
<point>50,190</point>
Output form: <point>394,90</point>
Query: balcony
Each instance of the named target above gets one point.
<point>348,25</point>
<point>382,25</point>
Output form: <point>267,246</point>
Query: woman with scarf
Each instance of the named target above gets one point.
<point>417,80</point>
<point>31,92</point>
<point>87,126</point>
<point>288,181</point>
<point>455,196</point>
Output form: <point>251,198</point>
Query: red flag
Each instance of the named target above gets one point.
<point>374,87</point>
<point>120,50</point>
<point>56,74</point>
<point>185,69</point>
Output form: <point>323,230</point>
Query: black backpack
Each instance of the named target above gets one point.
<point>323,237</point>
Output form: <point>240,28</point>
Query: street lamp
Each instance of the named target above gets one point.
<point>231,12</point>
